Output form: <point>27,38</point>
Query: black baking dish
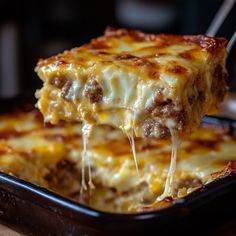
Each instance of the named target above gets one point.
<point>33,210</point>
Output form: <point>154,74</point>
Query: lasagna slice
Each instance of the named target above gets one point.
<point>145,84</point>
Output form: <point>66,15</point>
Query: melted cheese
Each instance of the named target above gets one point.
<point>132,144</point>
<point>165,80</point>
<point>169,184</point>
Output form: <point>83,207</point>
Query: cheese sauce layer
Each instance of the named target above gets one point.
<point>51,156</point>
<point>138,82</point>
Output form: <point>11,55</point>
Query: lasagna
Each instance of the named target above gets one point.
<point>50,156</point>
<point>145,84</point>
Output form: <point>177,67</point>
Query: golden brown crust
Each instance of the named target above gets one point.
<point>210,44</point>
<point>229,169</point>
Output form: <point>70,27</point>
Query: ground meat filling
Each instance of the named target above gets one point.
<point>93,91</point>
<point>181,118</point>
<point>166,109</point>
<point>58,81</point>
<point>64,176</point>
<point>153,128</point>
<point>163,110</point>
<point>65,92</point>
<point>63,83</point>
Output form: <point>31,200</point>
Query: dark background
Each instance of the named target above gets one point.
<point>35,29</point>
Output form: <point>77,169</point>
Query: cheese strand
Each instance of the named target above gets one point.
<point>86,133</point>
<point>169,184</point>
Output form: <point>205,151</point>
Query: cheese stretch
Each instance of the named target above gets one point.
<point>144,84</point>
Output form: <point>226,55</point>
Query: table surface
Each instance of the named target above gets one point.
<point>227,229</point>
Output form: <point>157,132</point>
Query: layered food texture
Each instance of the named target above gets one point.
<point>144,84</point>
<point>40,153</point>
<point>50,156</point>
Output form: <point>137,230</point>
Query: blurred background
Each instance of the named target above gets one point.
<point>30,30</point>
